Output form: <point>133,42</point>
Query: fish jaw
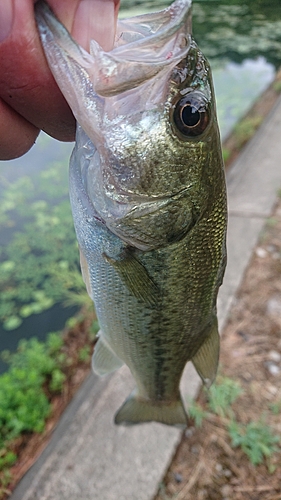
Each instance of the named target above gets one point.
<point>119,98</point>
<point>151,45</point>
<point>146,46</point>
<point>95,19</point>
<point>70,65</point>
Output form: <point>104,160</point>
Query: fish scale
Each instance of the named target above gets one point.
<point>148,197</point>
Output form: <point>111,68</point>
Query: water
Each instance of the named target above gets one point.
<point>35,326</point>
<point>237,86</point>
<point>242,41</point>
<point>243,44</point>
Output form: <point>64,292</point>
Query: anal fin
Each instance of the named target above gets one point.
<point>206,359</point>
<point>104,360</point>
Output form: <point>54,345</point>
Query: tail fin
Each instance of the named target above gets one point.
<point>137,410</point>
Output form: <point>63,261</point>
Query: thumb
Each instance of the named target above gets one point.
<point>26,83</point>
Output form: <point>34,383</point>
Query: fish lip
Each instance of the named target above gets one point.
<point>178,13</point>
<point>87,80</point>
<point>169,34</point>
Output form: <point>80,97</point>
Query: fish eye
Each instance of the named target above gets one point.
<point>191,114</point>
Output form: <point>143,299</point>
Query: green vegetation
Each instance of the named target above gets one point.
<point>4,482</point>
<point>226,154</point>
<point>245,129</point>
<point>276,407</point>
<point>35,371</point>
<point>197,413</point>
<point>24,403</point>
<point>84,353</point>
<point>277,86</point>
<point>222,394</point>
<point>271,221</point>
<point>248,30</point>
<point>256,438</point>
<point>39,265</point>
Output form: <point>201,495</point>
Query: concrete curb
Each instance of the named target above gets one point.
<point>88,457</point>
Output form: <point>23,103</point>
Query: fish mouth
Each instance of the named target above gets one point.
<point>145,47</point>
<point>95,20</point>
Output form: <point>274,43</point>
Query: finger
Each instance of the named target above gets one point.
<point>65,10</point>
<point>17,135</point>
<point>96,20</point>
<point>26,83</point>
<point>89,19</point>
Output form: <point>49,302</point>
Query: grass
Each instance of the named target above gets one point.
<point>222,395</point>
<point>84,353</point>
<point>226,154</point>
<point>35,371</point>
<point>277,86</point>
<point>24,403</point>
<point>39,262</point>
<point>245,129</point>
<point>40,381</point>
<point>256,439</point>
<point>276,407</point>
<point>197,413</point>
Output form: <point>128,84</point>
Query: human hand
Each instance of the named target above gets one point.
<point>29,97</point>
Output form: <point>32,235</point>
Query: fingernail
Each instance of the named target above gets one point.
<point>6,18</point>
<point>95,19</point>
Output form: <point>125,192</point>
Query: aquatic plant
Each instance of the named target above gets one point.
<point>39,264</point>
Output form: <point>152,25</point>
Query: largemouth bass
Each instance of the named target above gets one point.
<point>148,198</point>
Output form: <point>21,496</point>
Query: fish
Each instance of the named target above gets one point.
<point>148,196</point>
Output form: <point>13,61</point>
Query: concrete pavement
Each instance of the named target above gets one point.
<point>88,458</point>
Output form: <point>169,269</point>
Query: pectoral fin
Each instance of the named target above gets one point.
<point>104,360</point>
<point>136,278</point>
<point>206,359</point>
<point>85,272</point>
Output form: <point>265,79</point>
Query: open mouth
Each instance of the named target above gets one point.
<point>96,20</point>
<point>146,46</point>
